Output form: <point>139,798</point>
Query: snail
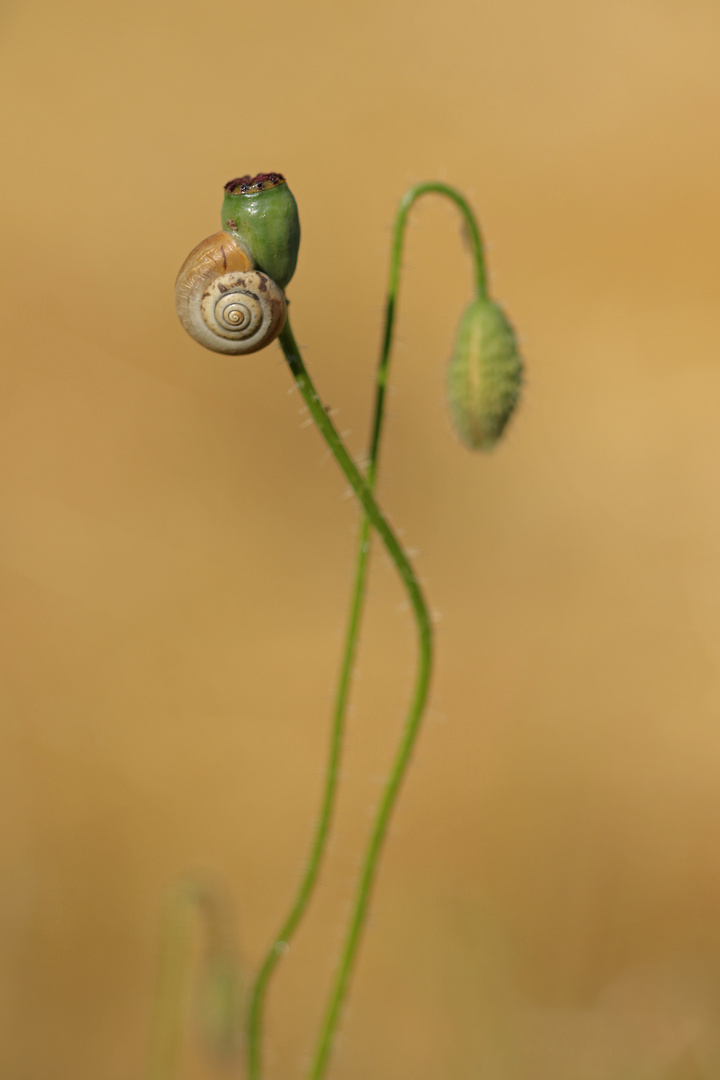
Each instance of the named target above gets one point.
<point>223,302</point>
<point>229,293</point>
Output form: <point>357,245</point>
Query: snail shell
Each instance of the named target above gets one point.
<point>224,303</point>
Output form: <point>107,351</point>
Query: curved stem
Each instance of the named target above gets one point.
<point>339,988</point>
<point>281,941</point>
<point>412,723</point>
<point>188,897</point>
<point>473,233</point>
<point>373,513</point>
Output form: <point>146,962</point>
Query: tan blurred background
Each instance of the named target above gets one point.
<point>177,547</point>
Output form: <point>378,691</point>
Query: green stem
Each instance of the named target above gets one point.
<point>373,513</point>
<point>188,897</point>
<point>359,486</point>
<point>473,232</point>
<point>281,941</point>
<point>389,796</point>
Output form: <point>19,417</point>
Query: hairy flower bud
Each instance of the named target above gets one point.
<point>261,215</point>
<point>484,375</point>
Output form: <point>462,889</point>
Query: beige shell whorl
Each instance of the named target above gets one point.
<point>224,303</point>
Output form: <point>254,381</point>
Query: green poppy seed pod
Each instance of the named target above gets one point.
<point>260,213</point>
<point>484,376</point>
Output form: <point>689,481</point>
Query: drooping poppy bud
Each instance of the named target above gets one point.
<point>484,375</point>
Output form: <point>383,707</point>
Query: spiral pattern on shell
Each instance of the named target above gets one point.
<point>242,310</point>
<point>223,303</point>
